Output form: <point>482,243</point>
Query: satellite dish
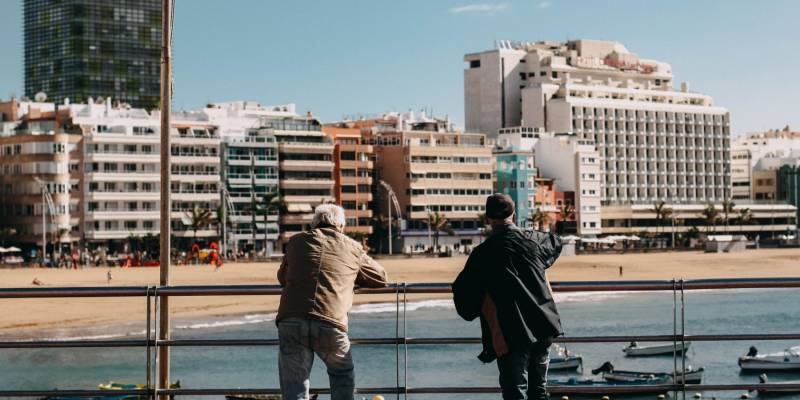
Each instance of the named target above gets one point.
<point>40,97</point>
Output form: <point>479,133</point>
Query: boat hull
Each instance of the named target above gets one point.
<point>661,350</point>
<point>565,364</point>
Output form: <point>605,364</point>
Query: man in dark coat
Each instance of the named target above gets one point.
<point>504,284</point>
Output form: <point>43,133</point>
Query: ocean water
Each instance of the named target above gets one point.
<point>606,313</point>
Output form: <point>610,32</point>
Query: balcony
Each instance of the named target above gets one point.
<point>306,165</point>
<point>306,183</point>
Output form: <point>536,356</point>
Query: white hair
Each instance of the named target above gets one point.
<point>328,214</point>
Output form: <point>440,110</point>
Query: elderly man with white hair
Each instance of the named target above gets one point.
<point>318,274</point>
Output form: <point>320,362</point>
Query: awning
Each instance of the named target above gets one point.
<point>302,207</point>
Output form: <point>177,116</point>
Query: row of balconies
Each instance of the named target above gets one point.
<point>581,129</point>
<point>648,119</point>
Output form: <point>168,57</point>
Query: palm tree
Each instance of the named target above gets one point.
<point>711,216</point>
<point>272,204</point>
<point>540,218</point>
<point>7,233</point>
<point>438,223</point>
<point>566,213</point>
<point>199,218</point>
<point>727,208</point>
<point>745,216</point>
<point>662,213</point>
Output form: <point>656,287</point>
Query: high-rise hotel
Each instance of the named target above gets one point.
<point>655,143</point>
<point>81,49</point>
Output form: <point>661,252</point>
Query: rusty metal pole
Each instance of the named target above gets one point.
<point>166,100</point>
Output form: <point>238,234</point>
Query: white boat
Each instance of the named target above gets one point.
<point>635,350</point>
<point>789,359</point>
<point>763,379</point>
<point>565,360</point>
<point>610,374</point>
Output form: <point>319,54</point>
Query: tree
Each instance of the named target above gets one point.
<point>662,213</point>
<point>727,209</point>
<point>199,218</point>
<point>540,219</point>
<point>7,233</point>
<point>566,213</point>
<point>711,216</point>
<point>438,223</point>
<point>271,204</point>
<point>745,216</point>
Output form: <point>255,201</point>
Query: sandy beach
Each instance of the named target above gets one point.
<point>22,317</point>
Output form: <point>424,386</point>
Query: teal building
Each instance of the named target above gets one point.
<point>515,175</point>
<point>789,186</point>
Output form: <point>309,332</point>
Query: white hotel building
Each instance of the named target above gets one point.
<point>655,143</point>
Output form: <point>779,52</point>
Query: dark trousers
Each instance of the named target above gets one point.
<point>523,373</point>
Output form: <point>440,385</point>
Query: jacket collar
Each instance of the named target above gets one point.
<point>496,230</point>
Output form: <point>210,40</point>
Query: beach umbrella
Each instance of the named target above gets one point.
<point>13,249</point>
<point>2,250</point>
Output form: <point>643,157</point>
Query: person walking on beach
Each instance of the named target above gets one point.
<point>504,284</point>
<point>319,271</point>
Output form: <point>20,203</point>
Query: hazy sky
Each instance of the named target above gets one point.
<point>340,58</point>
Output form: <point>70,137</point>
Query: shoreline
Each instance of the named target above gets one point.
<point>55,317</point>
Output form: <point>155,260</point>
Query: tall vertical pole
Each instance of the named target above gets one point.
<point>389,209</point>
<point>166,101</point>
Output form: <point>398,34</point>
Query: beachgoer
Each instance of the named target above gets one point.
<point>504,284</point>
<point>108,277</point>
<point>620,270</point>
<point>319,270</point>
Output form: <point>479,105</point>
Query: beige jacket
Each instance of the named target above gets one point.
<point>318,274</point>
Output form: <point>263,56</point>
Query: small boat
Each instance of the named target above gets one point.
<point>610,374</point>
<point>635,350</point>
<point>558,386</point>
<point>113,386</point>
<point>564,360</point>
<point>763,379</point>
<point>789,359</point>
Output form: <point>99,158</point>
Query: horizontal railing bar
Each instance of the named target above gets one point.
<point>74,393</point>
<point>415,288</point>
<point>553,389</point>
<point>55,344</point>
<point>32,344</point>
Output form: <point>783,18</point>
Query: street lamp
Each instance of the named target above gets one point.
<point>391,200</point>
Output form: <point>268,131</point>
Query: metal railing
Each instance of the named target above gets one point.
<point>401,291</point>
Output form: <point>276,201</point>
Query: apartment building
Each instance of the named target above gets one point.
<point>40,174</point>
<point>122,170</point>
<point>306,168</point>
<point>559,206</point>
<point>515,175</point>
<point>761,151</point>
<point>250,177</point>
<point>433,168</point>
<point>655,143</point>
<point>575,164</point>
<point>353,157</point>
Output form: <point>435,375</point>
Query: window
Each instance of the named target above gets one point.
<point>348,155</point>
<point>475,64</point>
<point>130,224</point>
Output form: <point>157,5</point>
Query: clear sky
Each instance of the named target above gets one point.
<point>339,58</point>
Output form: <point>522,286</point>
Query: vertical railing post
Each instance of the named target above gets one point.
<point>675,337</point>
<point>149,353</point>
<point>164,231</point>
<point>683,340</point>
<point>405,343</point>
<point>397,338</point>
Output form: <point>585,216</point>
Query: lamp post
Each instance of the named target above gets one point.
<point>391,199</point>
